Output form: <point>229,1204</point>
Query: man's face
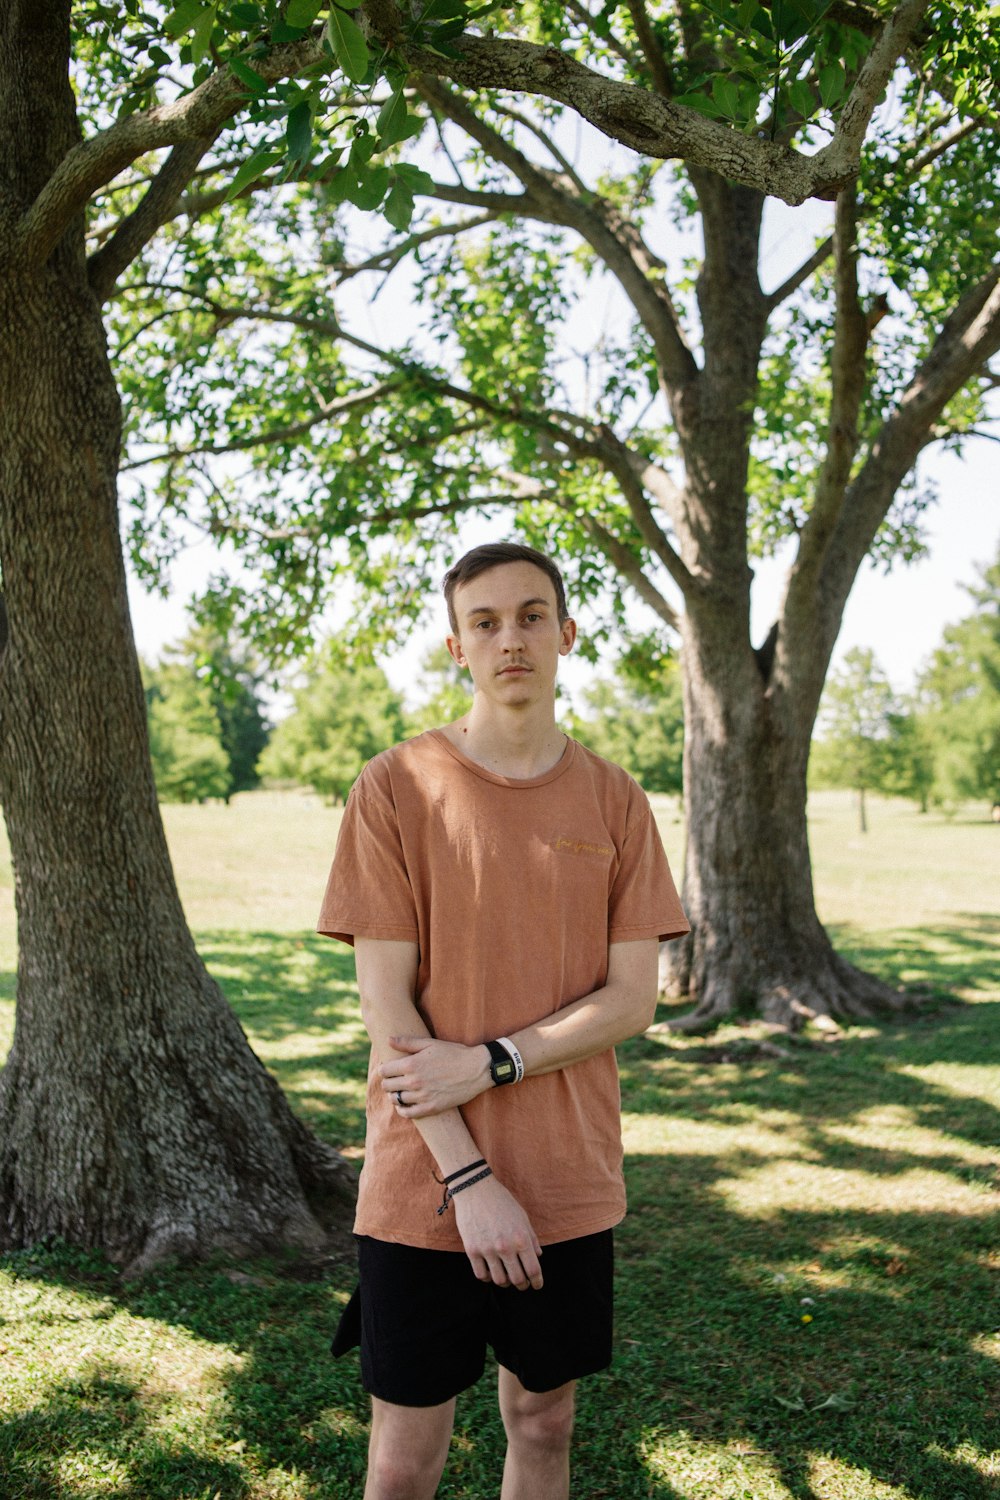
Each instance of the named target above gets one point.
<point>509,635</point>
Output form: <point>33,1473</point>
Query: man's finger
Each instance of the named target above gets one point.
<point>531,1270</point>
<point>480,1269</point>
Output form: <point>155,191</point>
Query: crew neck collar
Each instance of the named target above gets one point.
<point>561,766</point>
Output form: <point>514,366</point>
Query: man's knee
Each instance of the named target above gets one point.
<point>407,1451</point>
<point>394,1475</point>
<point>542,1419</point>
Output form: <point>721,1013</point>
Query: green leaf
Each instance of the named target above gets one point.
<point>302,12</point>
<point>443,49</point>
<point>832,82</point>
<point>201,38</point>
<point>398,207</point>
<point>391,119</point>
<point>247,15</point>
<point>157,55</point>
<point>348,43</point>
<point>249,77</point>
<point>254,167</point>
<point>444,10</point>
<point>701,102</point>
<point>298,132</point>
<point>801,98</point>
<point>369,190</point>
<point>362,150</point>
<point>726,95</point>
<point>415,178</point>
<point>183,17</point>
<point>448,30</point>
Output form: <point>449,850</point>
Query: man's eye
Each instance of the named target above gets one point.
<point>533,617</point>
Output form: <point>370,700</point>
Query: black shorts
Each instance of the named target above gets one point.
<point>423,1320</point>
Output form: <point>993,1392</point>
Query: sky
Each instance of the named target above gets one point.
<point>900,616</point>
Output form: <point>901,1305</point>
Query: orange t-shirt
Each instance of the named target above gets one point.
<point>512,891</point>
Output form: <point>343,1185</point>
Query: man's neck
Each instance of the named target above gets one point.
<point>514,744</point>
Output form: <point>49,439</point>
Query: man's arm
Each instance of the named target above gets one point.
<point>435,1076</point>
<point>495,1230</point>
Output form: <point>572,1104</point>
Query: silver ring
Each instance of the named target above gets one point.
<point>398,1096</point>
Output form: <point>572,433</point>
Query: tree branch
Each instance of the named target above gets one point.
<point>195,117</point>
<point>387,259</point>
<point>847,381</point>
<point>651,50</point>
<point>968,338</point>
<point>627,566</point>
<point>327,411</point>
<point>159,203</point>
<point>841,158</point>
<point>613,238</point>
<point>792,283</point>
<point>562,162</point>
<point>657,127</point>
<point>614,43</point>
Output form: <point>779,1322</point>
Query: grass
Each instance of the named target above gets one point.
<point>808,1278</point>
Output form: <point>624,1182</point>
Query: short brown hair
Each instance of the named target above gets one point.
<point>494,555</point>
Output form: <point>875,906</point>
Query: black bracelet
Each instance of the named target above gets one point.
<point>450,1192</point>
<point>462,1171</point>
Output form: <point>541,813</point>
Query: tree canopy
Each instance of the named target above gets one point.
<point>343,715</point>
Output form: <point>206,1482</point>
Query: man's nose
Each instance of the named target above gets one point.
<point>512,637</point>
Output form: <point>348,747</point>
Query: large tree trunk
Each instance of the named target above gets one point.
<point>133,1115</point>
<point>756,941</point>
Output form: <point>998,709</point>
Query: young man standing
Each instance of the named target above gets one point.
<point>505,891</point>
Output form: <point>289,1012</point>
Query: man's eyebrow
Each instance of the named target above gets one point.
<point>491,609</point>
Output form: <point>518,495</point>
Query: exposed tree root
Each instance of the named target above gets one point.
<point>819,989</point>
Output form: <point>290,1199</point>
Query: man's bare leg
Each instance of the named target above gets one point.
<point>539,1427</point>
<point>407,1450</point>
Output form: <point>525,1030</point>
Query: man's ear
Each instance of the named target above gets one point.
<point>568,637</point>
<point>454,644</point>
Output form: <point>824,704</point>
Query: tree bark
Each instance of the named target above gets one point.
<point>757,944</point>
<point>133,1115</point>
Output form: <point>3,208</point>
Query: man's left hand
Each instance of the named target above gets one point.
<point>433,1076</point>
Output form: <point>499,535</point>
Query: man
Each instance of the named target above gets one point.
<point>505,890</point>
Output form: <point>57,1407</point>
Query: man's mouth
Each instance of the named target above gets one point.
<point>514,670</point>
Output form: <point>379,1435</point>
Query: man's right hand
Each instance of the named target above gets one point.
<point>497,1234</point>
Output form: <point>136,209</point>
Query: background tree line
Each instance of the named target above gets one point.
<point>939,744</point>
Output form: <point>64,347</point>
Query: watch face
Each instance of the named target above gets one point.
<point>504,1072</point>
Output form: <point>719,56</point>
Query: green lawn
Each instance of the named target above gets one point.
<point>808,1281</point>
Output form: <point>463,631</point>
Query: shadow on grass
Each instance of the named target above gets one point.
<point>106,1418</point>
<point>944,960</point>
<point>726,1381</point>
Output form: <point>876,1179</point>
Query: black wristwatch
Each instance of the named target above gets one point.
<point>502,1066</point>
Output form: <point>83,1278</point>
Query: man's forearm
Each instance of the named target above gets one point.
<point>436,1075</point>
<point>446,1135</point>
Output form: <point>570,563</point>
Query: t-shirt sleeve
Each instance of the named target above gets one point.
<point>644,902</point>
<point>368,893</point>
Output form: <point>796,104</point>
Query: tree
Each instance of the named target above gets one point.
<point>190,763</point>
<point>639,723</point>
<point>856,718</point>
<point>716,416</point>
<point>342,717</point>
<point>233,683</point>
<point>443,688</point>
<point>959,701</point>
<point>157,1132</point>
